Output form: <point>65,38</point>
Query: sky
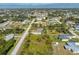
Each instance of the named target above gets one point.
<point>39,5</point>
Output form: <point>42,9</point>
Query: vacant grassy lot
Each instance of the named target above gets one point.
<point>35,45</point>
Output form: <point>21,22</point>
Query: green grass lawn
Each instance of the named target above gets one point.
<point>77,32</point>
<point>75,39</point>
<point>17,39</point>
<point>39,44</point>
<point>36,46</point>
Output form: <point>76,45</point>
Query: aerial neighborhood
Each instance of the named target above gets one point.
<point>39,31</point>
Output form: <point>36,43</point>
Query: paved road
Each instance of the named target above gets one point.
<point>15,50</point>
<point>73,33</point>
<point>58,21</point>
<point>70,30</point>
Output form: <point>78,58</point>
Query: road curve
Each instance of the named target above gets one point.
<point>15,50</point>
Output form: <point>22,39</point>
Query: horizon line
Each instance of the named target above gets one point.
<point>39,5</point>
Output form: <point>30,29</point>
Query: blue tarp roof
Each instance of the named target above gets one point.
<point>64,36</point>
<point>67,47</point>
<point>72,46</point>
<point>75,49</point>
<point>71,43</point>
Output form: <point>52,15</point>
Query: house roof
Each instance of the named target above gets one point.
<point>39,29</point>
<point>71,43</point>
<point>72,46</point>
<point>4,24</point>
<point>67,47</point>
<point>77,26</point>
<point>9,36</point>
<point>75,49</point>
<point>64,36</point>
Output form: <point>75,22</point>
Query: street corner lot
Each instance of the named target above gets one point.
<point>35,46</point>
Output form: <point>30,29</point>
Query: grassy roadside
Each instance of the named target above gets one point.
<point>17,39</point>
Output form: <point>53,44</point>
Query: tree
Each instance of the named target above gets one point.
<point>7,46</point>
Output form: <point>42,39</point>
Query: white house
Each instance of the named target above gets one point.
<point>9,37</point>
<point>38,31</point>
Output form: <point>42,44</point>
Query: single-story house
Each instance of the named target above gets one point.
<point>77,27</point>
<point>72,46</point>
<point>3,25</point>
<point>38,31</point>
<point>71,23</point>
<point>64,37</point>
<point>9,37</point>
<point>26,21</point>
